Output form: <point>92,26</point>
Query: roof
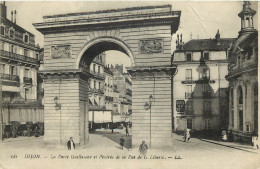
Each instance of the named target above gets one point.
<point>108,71</point>
<point>208,44</point>
<point>9,23</point>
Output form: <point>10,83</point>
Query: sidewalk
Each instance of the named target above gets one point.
<point>243,147</point>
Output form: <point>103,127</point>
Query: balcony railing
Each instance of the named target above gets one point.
<point>27,80</point>
<point>10,77</point>
<point>18,57</point>
<point>96,90</point>
<point>188,95</point>
<point>108,98</point>
<point>97,74</point>
<point>206,94</point>
<point>94,107</point>
<point>10,80</point>
<point>207,113</point>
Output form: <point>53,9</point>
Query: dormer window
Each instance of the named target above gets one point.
<point>188,57</point>
<point>11,33</point>
<point>2,29</point>
<point>206,56</point>
<point>26,38</point>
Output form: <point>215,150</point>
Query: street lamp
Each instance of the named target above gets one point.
<point>146,107</point>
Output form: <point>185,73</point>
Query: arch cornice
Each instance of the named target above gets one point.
<point>111,39</point>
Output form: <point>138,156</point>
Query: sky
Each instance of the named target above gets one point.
<point>201,19</point>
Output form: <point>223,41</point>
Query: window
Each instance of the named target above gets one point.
<point>26,38</point>
<point>188,74</point>
<point>206,56</point>
<point>94,84</point>
<point>207,123</point>
<point>12,70</point>
<point>98,69</point>
<point>189,107</point>
<point>189,123</point>
<point>188,56</point>
<point>37,56</point>
<point>12,49</point>
<point>2,29</point>
<point>26,73</point>
<point>207,105</point>
<point>188,91</point>
<point>26,52</point>
<point>205,73</point>
<point>2,68</point>
<point>26,94</point>
<point>94,68</point>
<point>99,85</point>
<point>11,33</point>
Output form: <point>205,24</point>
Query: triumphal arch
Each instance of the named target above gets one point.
<point>71,41</point>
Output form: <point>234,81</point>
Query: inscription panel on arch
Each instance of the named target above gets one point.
<point>149,46</point>
<point>60,51</point>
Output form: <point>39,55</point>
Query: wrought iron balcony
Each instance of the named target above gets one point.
<point>18,57</point>
<point>207,113</point>
<point>96,90</point>
<point>97,74</point>
<point>10,80</point>
<point>27,80</point>
<point>108,98</point>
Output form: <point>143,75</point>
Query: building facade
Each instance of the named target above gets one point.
<point>20,60</point>
<point>96,83</point>
<point>242,77</point>
<point>200,99</point>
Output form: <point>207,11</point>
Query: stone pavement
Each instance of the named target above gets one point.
<point>182,155</point>
<point>243,147</point>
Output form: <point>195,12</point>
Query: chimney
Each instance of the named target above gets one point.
<point>191,36</point>
<point>218,37</point>
<point>14,16</point>
<point>3,9</point>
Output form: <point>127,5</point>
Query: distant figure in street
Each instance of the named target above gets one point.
<point>143,148</point>
<point>71,144</point>
<point>122,141</point>
<point>224,135</point>
<point>187,135</point>
<point>126,130</point>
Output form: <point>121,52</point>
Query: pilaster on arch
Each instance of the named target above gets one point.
<point>117,40</point>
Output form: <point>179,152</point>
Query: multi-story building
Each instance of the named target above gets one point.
<point>20,60</point>
<point>108,88</point>
<point>96,83</point>
<point>122,82</point>
<point>200,99</point>
<point>242,77</point>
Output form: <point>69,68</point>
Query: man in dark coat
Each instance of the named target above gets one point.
<point>122,141</point>
<point>71,144</point>
<point>143,148</point>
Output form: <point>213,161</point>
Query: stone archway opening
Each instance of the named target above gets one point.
<point>94,61</point>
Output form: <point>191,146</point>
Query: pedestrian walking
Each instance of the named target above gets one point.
<point>143,148</point>
<point>126,131</point>
<point>122,141</point>
<point>71,144</point>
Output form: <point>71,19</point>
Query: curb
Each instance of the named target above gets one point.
<point>229,146</point>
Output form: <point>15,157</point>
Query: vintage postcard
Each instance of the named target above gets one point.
<point>129,84</point>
